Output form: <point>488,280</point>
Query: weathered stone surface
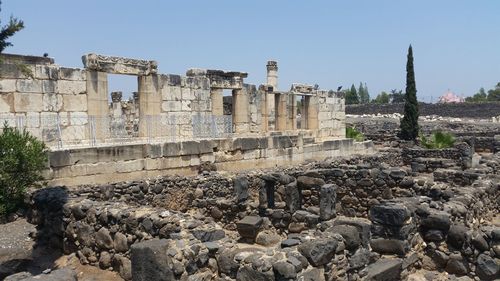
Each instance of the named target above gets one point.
<point>120,243</point>
<point>349,233</point>
<point>305,182</point>
<point>390,246</point>
<point>150,261</point>
<point>389,214</point>
<point>103,239</point>
<point>284,270</point>
<point>249,226</point>
<point>63,274</point>
<point>119,65</point>
<point>313,274</point>
<point>241,188</point>
<point>457,236</point>
<point>319,251</point>
<point>327,199</point>
<point>247,273</point>
<point>384,270</point>
<point>208,234</point>
<point>292,197</point>
<point>487,267</point>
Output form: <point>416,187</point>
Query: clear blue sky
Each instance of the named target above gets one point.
<point>456,42</point>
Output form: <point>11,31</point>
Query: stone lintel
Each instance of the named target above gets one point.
<point>302,88</point>
<point>119,65</point>
<point>220,79</point>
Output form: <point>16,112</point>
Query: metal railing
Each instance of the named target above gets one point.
<point>61,131</point>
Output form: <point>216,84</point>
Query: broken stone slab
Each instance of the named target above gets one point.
<point>386,269</point>
<point>390,246</point>
<point>362,225</point>
<point>305,182</point>
<point>390,214</point>
<point>240,186</point>
<point>119,65</point>
<point>349,233</point>
<point>249,227</point>
<point>208,234</point>
<point>293,197</point>
<point>319,251</point>
<point>327,198</point>
<point>63,274</point>
<point>150,261</point>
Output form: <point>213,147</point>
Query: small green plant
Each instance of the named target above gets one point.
<point>352,133</point>
<point>437,140</point>
<point>22,160</point>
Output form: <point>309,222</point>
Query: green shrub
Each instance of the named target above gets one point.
<point>22,160</point>
<point>437,140</point>
<point>352,133</point>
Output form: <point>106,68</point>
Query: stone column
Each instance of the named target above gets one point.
<point>217,102</point>
<point>312,109</point>
<point>116,104</point>
<point>293,197</point>
<point>97,104</point>
<point>272,74</point>
<point>149,106</point>
<point>291,123</point>
<point>327,198</point>
<point>281,116</point>
<point>240,111</point>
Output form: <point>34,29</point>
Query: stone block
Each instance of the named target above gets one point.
<point>386,269</point>
<point>150,261</point>
<point>60,158</point>
<point>327,199</point>
<point>29,86</point>
<point>293,197</point>
<point>46,72</point>
<point>6,103</point>
<point>74,133</point>
<point>390,246</point>
<point>49,86</point>
<point>171,106</point>
<point>190,148</point>
<point>28,102</point>
<point>153,150</point>
<point>78,118</point>
<point>72,74</point>
<point>319,251</point>
<point>187,93</point>
<point>249,226</point>
<point>71,87</point>
<point>52,102</point>
<point>390,214</point>
<point>186,105</point>
<point>7,85</point>
<point>240,186</point>
<point>75,102</point>
<point>171,149</point>
<point>171,93</point>
<point>12,71</point>
<point>130,166</point>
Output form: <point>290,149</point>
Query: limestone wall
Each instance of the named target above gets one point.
<point>138,161</point>
<point>53,95</point>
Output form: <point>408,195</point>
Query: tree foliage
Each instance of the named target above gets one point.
<point>494,94</point>
<point>409,123</point>
<point>351,96</point>
<point>364,96</point>
<point>382,98</point>
<point>22,159</point>
<point>397,96</point>
<point>9,30</point>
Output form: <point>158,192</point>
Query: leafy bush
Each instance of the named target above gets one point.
<point>352,133</point>
<point>437,140</point>
<point>22,159</point>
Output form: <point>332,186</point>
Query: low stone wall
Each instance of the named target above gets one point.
<point>137,161</point>
<point>485,110</point>
<point>422,159</point>
<point>113,234</point>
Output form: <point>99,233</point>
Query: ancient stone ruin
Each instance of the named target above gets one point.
<point>181,182</point>
<point>172,124</point>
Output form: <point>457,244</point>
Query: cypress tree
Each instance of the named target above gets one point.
<point>409,123</point>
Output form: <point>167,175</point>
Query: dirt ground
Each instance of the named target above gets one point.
<point>17,254</point>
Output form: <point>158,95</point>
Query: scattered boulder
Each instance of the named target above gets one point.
<point>319,251</point>
<point>249,227</point>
